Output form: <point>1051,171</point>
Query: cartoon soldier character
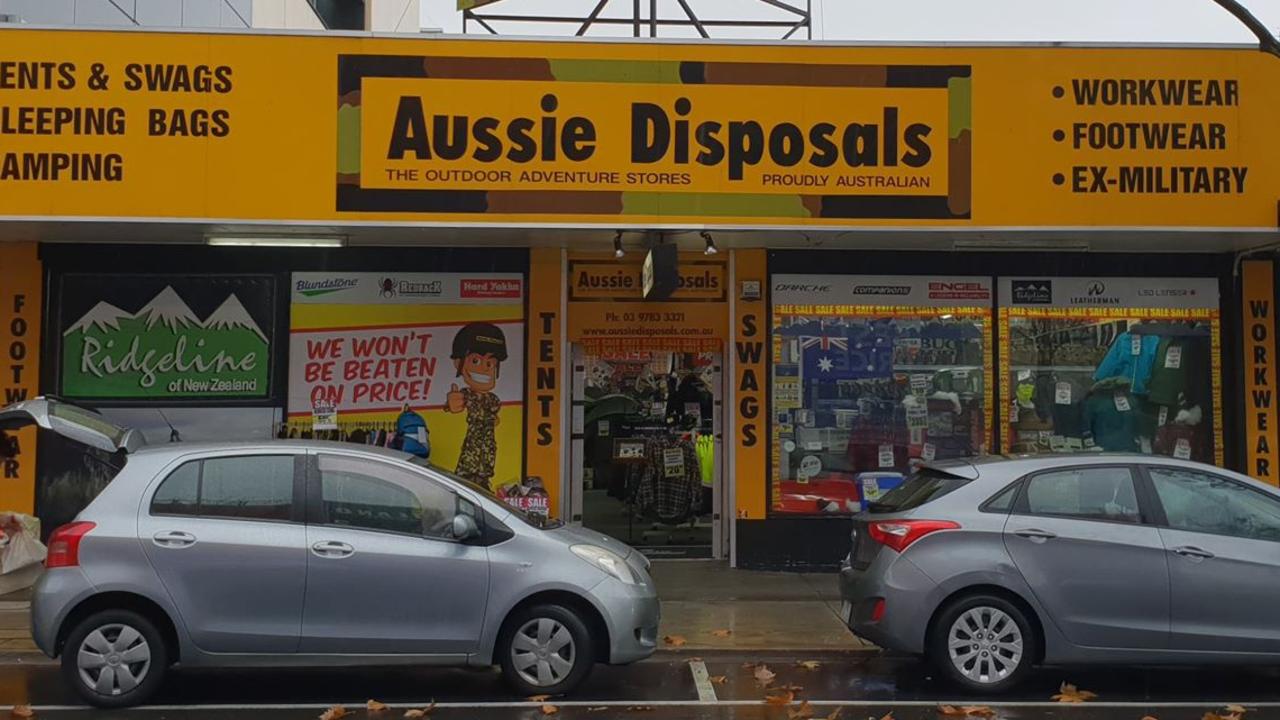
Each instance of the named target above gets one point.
<point>478,350</point>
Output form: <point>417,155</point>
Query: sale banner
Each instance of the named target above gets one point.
<point>431,363</point>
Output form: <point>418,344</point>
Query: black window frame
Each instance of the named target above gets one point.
<point>315,514</point>
<point>1021,507</point>
<point>1161,518</point>
<point>1015,486</point>
<point>297,505</point>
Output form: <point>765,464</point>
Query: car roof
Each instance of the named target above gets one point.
<point>287,445</point>
<point>1020,464</point>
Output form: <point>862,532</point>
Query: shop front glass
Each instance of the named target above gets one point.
<point>647,458</point>
<point>872,375</point>
<point>1111,364</point>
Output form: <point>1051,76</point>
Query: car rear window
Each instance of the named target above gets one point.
<point>922,487</point>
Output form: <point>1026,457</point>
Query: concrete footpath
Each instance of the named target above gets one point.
<point>705,606</point>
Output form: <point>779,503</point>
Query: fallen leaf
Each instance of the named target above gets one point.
<point>335,712</point>
<point>1237,709</point>
<point>835,714</point>
<point>977,711</point>
<point>416,713</point>
<point>722,633</point>
<point>674,640</point>
<point>550,709</point>
<point>695,659</point>
<point>374,706</point>
<point>764,675</point>
<point>779,699</point>
<point>22,711</point>
<point>802,712</point>
<point>718,679</point>
<point>1150,717</point>
<point>539,698</point>
<point>1069,693</point>
<point>887,716</point>
<point>809,664</point>
<point>949,710</point>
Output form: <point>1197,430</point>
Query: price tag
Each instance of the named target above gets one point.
<point>917,417</point>
<point>1075,443</point>
<point>421,435</point>
<point>1135,344</point>
<point>673,462</point>
<point>657,409</point>
<point>602,428</point>
<point>1164,416</point>
<point>813,445</point>
<point>917,436</point>
<point>960,373</point>
<point>1024,375</point>
<point>1088,443</point>
<point>886,456</point>
<point>1173,357</point>
<point>919,385</point>
<point>324,417</point>
<point>693,410</point>
<point>1062,393</point>
<point>1057,443</point>
<point>929,452</point>
<point>1122,402</point>
<point>1182,449</point>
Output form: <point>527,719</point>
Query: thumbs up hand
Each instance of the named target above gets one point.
<point>454,401</point>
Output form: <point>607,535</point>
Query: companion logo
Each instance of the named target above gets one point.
<point>940,290</point>
<point>882,290</point>
<point>1033,292</point>
<point>328,286</point>
<point>486,288</point>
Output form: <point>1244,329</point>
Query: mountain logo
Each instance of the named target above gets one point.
<point>1032,292</point>
<point>164,350</point>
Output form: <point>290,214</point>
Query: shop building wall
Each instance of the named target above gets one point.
<point>779,541</point>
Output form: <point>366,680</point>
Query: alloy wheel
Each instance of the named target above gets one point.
<point>985,645</point>
<point>543,652</point>
<point>113,659</point>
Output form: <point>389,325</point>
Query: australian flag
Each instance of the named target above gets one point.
<point>864,351</point>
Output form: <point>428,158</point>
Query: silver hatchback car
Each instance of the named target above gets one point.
<point>305,553</point>
<point>991,566</point>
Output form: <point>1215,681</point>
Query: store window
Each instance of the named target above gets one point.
<point>1111,364</point>
<point>872,375</point>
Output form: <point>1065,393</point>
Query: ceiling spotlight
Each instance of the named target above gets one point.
<point>617,245</point>
<point>711,244</point>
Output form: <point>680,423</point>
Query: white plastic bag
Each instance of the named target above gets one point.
<point>24,547</point>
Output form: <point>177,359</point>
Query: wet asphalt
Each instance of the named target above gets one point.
<point>863,684</point>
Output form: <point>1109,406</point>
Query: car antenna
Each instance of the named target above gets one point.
<point>173,431</point>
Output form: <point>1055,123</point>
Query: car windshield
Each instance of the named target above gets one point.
<point>532,519</point>
<point>925,485</point>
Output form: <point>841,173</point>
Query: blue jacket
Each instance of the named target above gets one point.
<point>413,431</point>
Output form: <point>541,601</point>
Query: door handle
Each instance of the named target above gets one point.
<point>1193,552</point>
<point>173,539</point>
<point>1035,534</point>
<point>333,549</point>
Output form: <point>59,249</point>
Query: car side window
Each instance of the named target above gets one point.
<point>1002,501</point>
<point>1207,503</point>
<point>375,496</point>
<point>1088,493</point>
<point>246,487</point>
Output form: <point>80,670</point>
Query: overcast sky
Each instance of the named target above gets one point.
<point>929,20</point>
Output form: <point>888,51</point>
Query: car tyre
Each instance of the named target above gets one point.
<point>545,650</point>
<point>115,659</point>
<point>983,643</point>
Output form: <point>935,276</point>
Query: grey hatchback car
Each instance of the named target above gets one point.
<point>991,566</point>
<point>301,553</point>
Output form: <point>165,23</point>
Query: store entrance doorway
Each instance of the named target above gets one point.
<point>646,454</point>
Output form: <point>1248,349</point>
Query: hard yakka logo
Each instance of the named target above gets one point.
<point>678,134</point>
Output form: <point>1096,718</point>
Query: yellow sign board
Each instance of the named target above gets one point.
<point>614,280</point>
<point>139,125</point>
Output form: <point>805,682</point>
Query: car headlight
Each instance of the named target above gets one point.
<point>607,561</point>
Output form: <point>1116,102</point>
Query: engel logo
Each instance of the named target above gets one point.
<point>490,289</point>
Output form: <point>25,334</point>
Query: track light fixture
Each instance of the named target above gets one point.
<point>618,252</point>
<point>711,244</point>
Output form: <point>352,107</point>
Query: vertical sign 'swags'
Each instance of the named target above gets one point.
<point>20,293</point>
<point>750,331</point>
<point>1259,310</point>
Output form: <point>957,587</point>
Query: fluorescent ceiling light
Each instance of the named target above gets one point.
<point>278,240</point>
<point>1021,244</point>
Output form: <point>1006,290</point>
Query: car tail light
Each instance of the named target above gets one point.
<point>877,611</point>
<point>900,534</point>
<point>64,545</point>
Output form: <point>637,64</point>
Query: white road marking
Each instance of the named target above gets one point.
<point>702,681</point>
<point>524,704</point>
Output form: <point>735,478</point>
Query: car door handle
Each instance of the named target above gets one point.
<point>173,539</point>
<point>1035,534</point>
<point>1193,552</point>
<point>333,549</point>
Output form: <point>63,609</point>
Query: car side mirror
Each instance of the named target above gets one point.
<point>465,528</point>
